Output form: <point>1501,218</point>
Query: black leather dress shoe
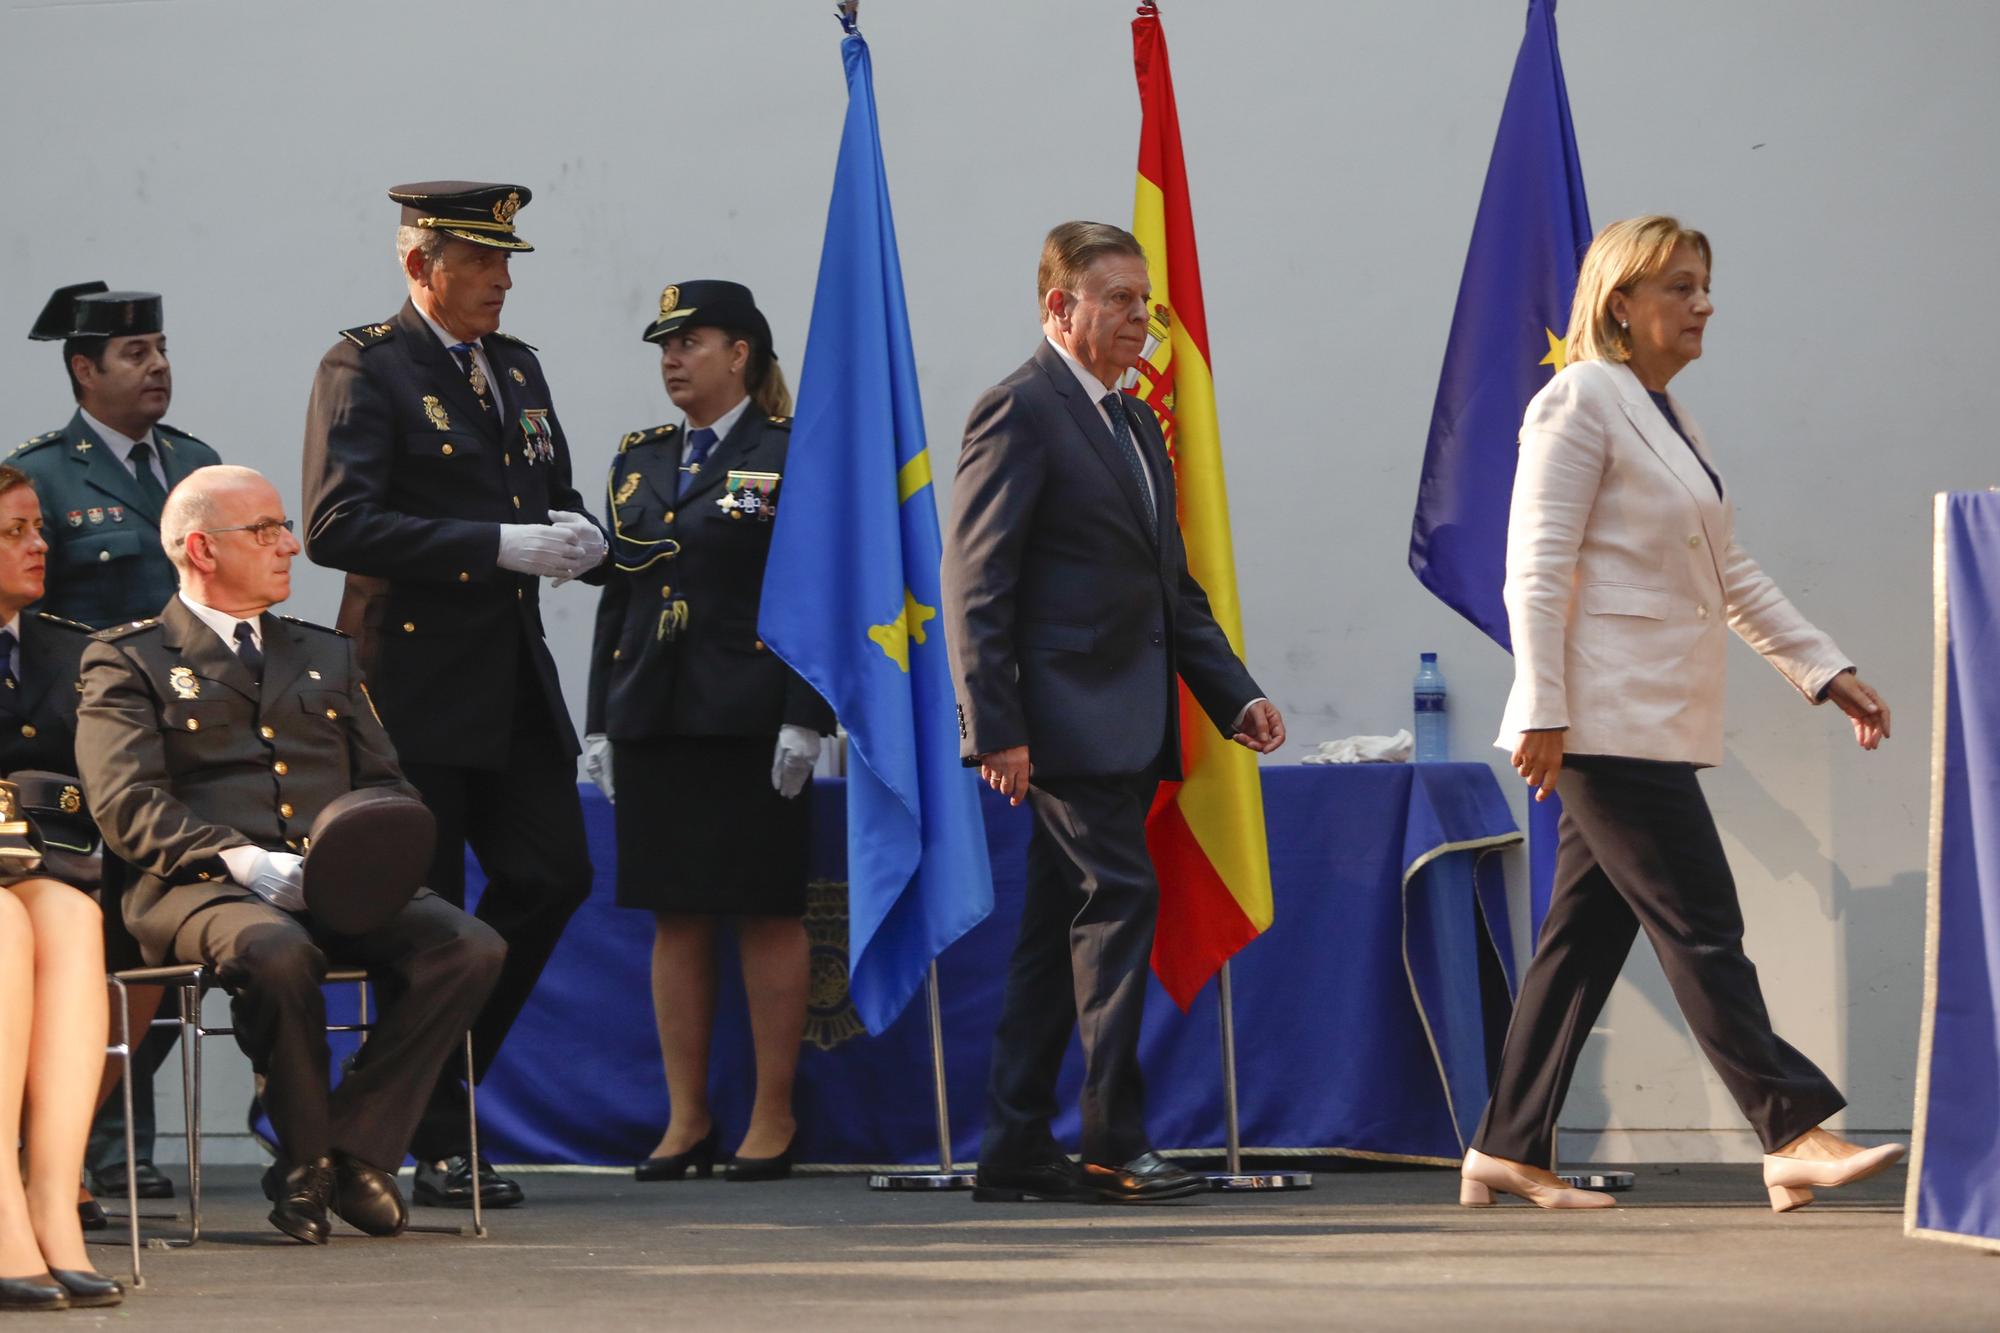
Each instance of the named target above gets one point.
<point>448,1184</point>
<point>91,1213</point>
<point>88,1289</point>
<point>744,1169</point>
<point>1147,1178</point>
<point>40,1292</point>
<point>675,1166</point>
<point>366,1198</point>
<point>302,1199</point>
<point>153,1183</point>
<point>1054,1178</point>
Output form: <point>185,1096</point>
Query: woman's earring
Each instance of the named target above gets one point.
<point>1624,327</point>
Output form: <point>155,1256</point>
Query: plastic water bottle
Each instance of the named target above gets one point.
<point>1428,699</point>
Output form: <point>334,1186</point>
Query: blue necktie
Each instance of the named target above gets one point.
<point>699,443</point>
<point>246,648</point>
<point>1121,431</point>
<point>8,679</point>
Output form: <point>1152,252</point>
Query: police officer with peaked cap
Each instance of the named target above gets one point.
<point>102,480</point>
<point>698,730</point>
<point>436,473</point>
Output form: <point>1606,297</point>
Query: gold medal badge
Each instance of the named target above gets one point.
<point>435,411</point>
<point>183,682</point>
<point>670,298</point>
<point>504,211</point>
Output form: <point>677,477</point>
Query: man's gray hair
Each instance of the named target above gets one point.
<point>190,506</point>
<point>427,239</point>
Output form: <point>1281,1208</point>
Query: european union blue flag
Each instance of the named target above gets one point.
<point>852,593</point>
<point>1506,340</point>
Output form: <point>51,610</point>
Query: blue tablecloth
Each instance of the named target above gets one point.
<point>1360,1020</point>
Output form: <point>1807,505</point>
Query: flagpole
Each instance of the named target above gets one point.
<point>1233,1178</point>
<point>945,1177</point>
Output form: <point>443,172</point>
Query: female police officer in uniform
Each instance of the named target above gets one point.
<point>707,739</point>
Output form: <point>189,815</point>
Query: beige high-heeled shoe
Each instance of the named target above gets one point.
<point>1482,1175</point>
<point>1818,1159</point>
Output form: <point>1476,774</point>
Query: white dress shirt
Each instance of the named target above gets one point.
<point>121,445</point>
<point>478,359</point>
<point>1096,391</point>
<point>225,624</point>
<point>722,425</point>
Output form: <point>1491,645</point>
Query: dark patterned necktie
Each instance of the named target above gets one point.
<point>246,648</point>
<point>1121,431</point>
<point>7,679</point>
<point>699,443</point>
<point>474,376</point>
<point>142,472</point>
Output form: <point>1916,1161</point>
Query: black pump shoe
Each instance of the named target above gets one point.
<point>88,1289</point>
<point>761,1168</point>
<point>675,1166</point>
<point>91,1214</point>
<point>32,1293</point>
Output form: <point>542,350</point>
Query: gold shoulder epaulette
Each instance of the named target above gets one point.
<point>369,335</point>
<point>311,624</point>
<point>42,439</point>
<point>178,434</point>
<point>48,619</point>
<point>786,422</point>
<point>510,338</point>
<point>126,630</point>
<point>641,436</point>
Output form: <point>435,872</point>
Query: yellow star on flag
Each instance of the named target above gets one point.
<point>894,637</point>
<point>1558,351</point>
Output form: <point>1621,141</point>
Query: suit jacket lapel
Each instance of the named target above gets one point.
<point>1667,445</point>
<point>102,471</point>
<point>204,652</point>
<point>284,655</point>
<point>39,667</point>
<point>1084,413</point>
<point>443,373</point>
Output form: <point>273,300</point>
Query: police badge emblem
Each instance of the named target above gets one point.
<point>670,299</point>
<point>435,411</point>
<point>183,682</point>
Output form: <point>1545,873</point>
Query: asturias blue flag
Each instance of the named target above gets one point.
<point>1506,341</point>
<point>852,593</point>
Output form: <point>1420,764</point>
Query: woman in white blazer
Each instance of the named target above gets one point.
<point>1623,574</point>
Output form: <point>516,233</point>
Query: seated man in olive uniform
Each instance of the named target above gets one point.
<point>102,479</point>
<point>210,739</point>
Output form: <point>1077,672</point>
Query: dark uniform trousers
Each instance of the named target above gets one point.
<point>1639,848</point>
<point>524,822</point>
<point>1080,963</point>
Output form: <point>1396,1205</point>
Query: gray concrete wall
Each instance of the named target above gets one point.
<point>233,154</point>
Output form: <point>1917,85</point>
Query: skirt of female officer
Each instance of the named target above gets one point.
<point>701,831</point>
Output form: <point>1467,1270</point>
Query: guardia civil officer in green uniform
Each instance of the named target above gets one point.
<point>102,480</point>
<point>703,737</point>
<point>437,475</point>
<point>103,477</point>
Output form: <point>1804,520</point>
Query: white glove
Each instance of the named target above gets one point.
<point>597,762</point>
<point>798,751</point>
<point>541,549</point>
<point>589,541</point>
<point>276,877</point>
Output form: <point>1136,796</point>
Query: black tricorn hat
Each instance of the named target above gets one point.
<point>89,310</point>
<point>367,857</point>
<point>709,303</point>
<point>58,318</point>
<point>475,211</point>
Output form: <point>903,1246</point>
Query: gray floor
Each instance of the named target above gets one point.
<point>1694,1249</point>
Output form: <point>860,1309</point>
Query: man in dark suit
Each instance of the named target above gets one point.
<point>1070,612</point>
<point>437,476</point>
<point>102,479</point>
<point>210,740</point>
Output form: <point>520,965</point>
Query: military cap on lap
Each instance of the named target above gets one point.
<point>709,303</point>
<point>473,211</point>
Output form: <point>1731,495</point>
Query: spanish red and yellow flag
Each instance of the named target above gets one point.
<point>1206,833</point>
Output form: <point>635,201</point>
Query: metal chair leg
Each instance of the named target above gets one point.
<point>472,1139</point>
<point>123,1050</point>
<point>191,1038</point>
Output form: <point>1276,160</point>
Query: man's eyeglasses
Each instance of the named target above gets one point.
<point>265,531</point>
